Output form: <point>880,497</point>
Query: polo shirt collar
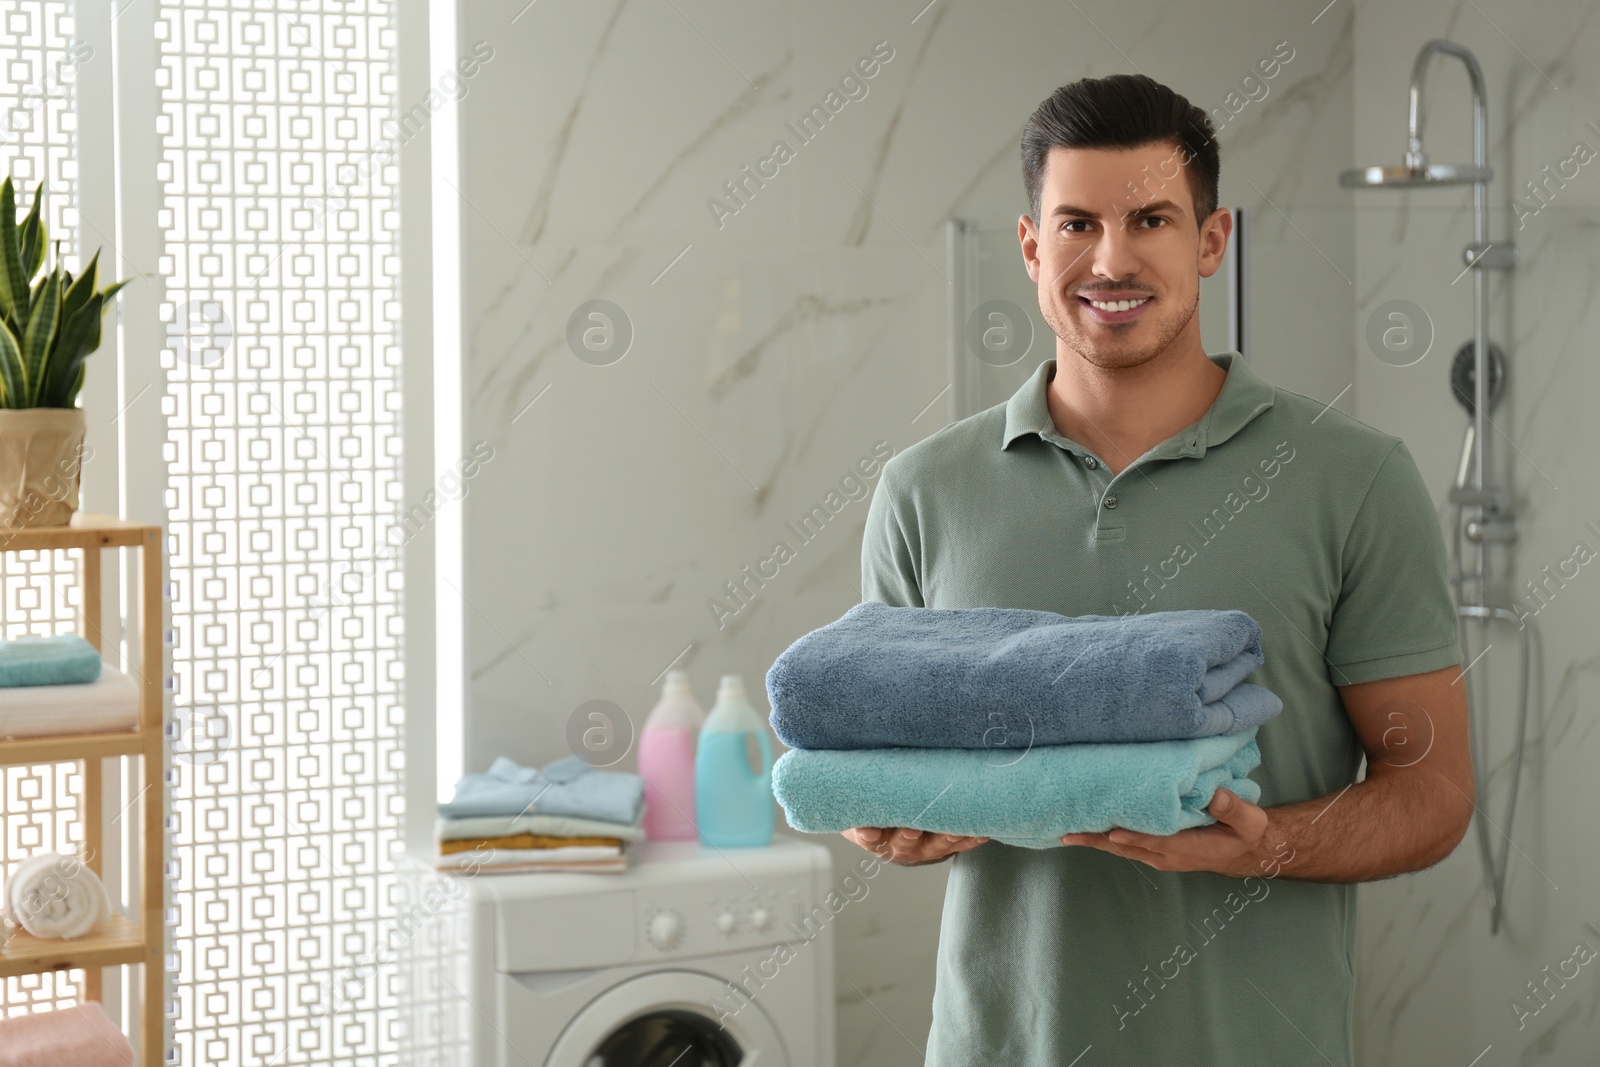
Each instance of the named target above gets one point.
<point>1244,395</point>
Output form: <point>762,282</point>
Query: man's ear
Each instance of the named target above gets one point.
<point>1214,234</point>
<point>1027,237</point>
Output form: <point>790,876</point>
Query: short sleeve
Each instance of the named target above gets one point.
<point>888,560</point>
<point>1394,615</point>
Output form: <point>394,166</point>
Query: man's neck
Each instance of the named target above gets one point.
<point>1120,414</point>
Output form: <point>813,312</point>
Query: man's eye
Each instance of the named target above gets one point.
<point>1075,222</point>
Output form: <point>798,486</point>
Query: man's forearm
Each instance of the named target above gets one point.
<point>1389,824</point>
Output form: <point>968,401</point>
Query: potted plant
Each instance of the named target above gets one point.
<point>48,328</point>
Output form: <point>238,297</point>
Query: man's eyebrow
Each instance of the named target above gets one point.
<point>1155,205</point>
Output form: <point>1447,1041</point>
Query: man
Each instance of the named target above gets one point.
<point>1136,473</point>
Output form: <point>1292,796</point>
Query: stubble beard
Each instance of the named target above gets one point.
<point>1111,348</point>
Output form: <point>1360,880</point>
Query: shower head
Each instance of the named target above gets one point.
<point>1416,170</point>
<point>1408,177</point>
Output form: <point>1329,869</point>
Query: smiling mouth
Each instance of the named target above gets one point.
<point>1116,310</point>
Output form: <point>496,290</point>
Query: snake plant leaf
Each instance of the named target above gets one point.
<point>13,282</point>
<point>48,329</point>
<point>80,336</point>
<point>31,244</point>
<point>43,324</point>
<point>12,392</point>
<point>111,290</point>
<point>79,291</point>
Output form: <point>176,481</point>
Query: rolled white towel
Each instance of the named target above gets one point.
<point>56,896</point>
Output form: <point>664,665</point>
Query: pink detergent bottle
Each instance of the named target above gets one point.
<point>666,761</point>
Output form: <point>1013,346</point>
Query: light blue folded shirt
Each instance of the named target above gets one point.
<point>566,787</point>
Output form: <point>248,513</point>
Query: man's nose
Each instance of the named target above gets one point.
<point>1114,256</point>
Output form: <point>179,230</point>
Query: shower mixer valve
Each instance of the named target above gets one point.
<point>1492,528</point>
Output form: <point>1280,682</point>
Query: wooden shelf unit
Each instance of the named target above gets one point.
<point>139,939</point>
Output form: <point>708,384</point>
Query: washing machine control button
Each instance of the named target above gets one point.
<point>665,930</point>
<point>727,921</point>
<point>761,918</point>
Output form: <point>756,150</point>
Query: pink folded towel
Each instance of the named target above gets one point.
<point>81,1035</point>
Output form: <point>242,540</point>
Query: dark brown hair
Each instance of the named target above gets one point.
<point>1122,111</point>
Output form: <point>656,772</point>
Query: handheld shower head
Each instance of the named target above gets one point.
<point>1464,374</point>
<point>1463,384</point>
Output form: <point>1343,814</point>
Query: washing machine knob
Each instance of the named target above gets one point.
<point>761,918</point>
<point>727,921</point>
<point>665,930</point>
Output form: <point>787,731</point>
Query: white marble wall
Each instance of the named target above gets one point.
<point>772,353</point>
<point>1434,987</point>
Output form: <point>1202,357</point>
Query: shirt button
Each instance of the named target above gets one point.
<point>1111,501</point>
<point>1091,462</point>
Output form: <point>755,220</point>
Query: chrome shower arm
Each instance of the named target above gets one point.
<point>1415,157</point>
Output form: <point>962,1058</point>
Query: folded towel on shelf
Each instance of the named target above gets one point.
<point>110,702</point>
<point>884,676</point>
<point>612,866</point>
<point>1027,798</point>
<point>566,787</point>
<point>65,659</point>
<point>540,841</point>
<point>554,825</point>
<point>514,861</point>
<point>55,896</point>
<point>79,1036</point>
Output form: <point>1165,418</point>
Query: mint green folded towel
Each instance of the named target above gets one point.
<point>65,659</point>
<point>1027,798</point>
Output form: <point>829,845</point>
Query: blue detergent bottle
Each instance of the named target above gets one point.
<point>733,804</point>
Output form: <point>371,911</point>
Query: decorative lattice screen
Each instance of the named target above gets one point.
<point>283,444</point>
<point>38,68</point>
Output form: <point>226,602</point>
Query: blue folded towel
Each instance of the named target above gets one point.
<point>566,787</point>
<point>885,676</point>
<point>1025,798</point>
<point>65,659</point>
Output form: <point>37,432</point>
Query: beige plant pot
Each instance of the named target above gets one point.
<point>41,457</point>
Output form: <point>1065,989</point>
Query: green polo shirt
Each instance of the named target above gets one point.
<point>1273,503</point>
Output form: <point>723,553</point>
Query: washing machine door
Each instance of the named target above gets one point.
<point>669,1019</point>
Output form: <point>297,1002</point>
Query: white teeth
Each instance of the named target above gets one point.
<point>1118,305</point>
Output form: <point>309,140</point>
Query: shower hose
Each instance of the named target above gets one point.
<point>1494,869</point>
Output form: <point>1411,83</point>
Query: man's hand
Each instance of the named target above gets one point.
<point>1219,847</point>
<point>910,848</point>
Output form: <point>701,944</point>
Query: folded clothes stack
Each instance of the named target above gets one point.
<point>1017,725</point>
<point>58,685</point>
<point>566,816</point>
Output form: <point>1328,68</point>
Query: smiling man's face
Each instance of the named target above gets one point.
<point>1119,226</point>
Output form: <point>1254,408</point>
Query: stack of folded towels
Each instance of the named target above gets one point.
<point>1017,725</point>
<point>566,816</point>
<point>58,685</point>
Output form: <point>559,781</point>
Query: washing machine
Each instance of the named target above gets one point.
<point>695,957</point>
